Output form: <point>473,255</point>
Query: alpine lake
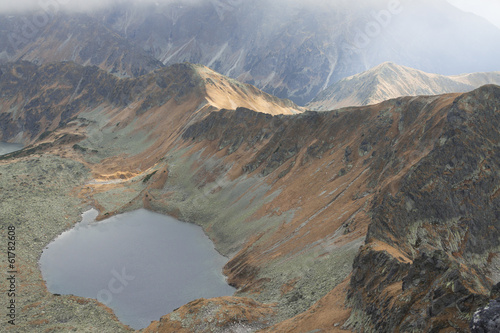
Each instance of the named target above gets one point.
<point>141,264</point>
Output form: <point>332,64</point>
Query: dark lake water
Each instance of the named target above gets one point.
<point>6,148</point>
<point>141,264</point>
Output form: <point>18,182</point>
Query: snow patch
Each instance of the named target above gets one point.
<point>237,63</point>
<point>64,43</point>
<point>218,55</point>
<point>333,64</point>
<point>179,50</point>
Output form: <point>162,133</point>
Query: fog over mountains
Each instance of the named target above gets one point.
<point>287,48</point>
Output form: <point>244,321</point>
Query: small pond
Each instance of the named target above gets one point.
<point>141,264</point>
<point>6,147</point>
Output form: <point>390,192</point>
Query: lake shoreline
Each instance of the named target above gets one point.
<point>7,147</point>
<point>178,264</point>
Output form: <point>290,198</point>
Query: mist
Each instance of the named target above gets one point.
<point>21,6</point>
<point>489,9</point>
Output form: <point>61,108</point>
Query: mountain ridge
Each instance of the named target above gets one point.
<point>389,80</point>
<point>388,263</point>
<point>80,87</point>
<point>294,50</point>
<point>73,37</point>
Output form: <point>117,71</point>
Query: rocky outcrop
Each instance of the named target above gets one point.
<point>443,220</point>
<point>487,319</point>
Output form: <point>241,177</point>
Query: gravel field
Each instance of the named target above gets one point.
<point>36,199</point>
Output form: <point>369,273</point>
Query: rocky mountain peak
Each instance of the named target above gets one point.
<point>389,80</point>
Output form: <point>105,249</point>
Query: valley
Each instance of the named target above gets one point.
<point>290,196</point>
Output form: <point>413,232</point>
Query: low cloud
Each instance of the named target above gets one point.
<point>20,6</point>
<point>489,9</point>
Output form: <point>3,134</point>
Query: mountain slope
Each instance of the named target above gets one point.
<point>427,265</point>
<point>295,49</point>
<point>71,37</point>
<point>389,80</point>
<point>54,94</point>
<point>442,219</point>
<point>346,199</point>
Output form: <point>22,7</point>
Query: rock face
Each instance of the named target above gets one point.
<point>389,80</point>
<point>289,48</point>
<point>487,319</point>
<point>443,221</point>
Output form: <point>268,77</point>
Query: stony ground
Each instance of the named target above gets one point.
<point>36,198</point>
<point>42,197</point>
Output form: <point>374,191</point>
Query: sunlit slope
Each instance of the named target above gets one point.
<point>389,80</point>
<point>38,99</point>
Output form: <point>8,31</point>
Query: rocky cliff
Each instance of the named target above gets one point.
<point>429,259</point>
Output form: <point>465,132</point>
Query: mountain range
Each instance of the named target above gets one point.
<point>71,37</point>
<point>288,48</point>
<point>390,80</point>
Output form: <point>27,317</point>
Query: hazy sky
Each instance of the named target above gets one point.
<point>20,5</point>
<point>489,9</point>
